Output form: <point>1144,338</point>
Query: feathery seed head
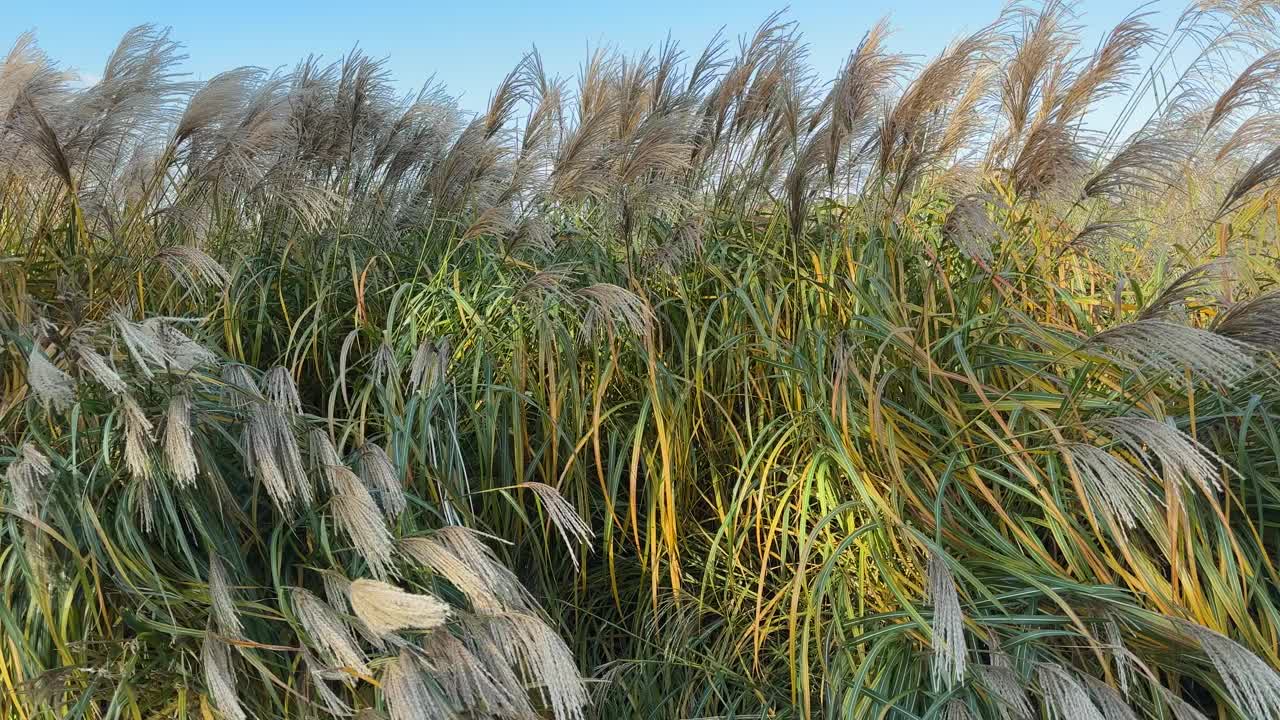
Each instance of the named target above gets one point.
<point>528,643</point>
<point>434,554</point>
<point>328,634</point>
<point>47,382</point>
<point>611,305</point>
<point>410,692</point>
<point>1113,486</point>
<point>239,389</point>
<point>178,447</point>
<point>221,600</point>
<point>467,682</point>
<point>1065,697</point>
<point>382,478</point>
<point>950,650</point>
<point>430,365</point>
<point>137,438</point>
<point>324,458</point>
<point>281,391</point>
<point>1179,455</point>
<point>1171,348</point>
<point>1008,690</point>
<point>387,609</point>
<point>1109,701</point>
<point>26,477</point>
<point>358,516</point>
<point>956,710</point>
<point>97,367</point>
<point>573,529</point>
<point>1252,684</point>
<point>220,679</point>
<point>193,267</point>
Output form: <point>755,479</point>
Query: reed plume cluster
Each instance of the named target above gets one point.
<point>701,384</point>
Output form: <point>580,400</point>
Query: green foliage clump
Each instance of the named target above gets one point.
<point>694,389</point>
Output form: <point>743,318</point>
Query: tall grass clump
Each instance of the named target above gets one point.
<point>696,385</point>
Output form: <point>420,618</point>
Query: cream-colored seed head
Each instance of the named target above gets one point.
<point>950,651</point>
<point>220,679</point>
<point>387,609</point>
<point>178,447</point>
<point>410,695</point>
<point>383,480</point>
<point>358,516</point>
<point>329,635</point>
<point>47,382</point>
<point>222,600</point>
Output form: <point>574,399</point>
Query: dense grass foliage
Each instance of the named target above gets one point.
<point>698,387</point>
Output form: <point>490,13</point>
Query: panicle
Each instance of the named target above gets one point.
<point>48,383</point>
<point>380,475</point>
<point>328,634</point>
<point>950,651</point>
<point>572,528</point>
<point>178,447</point>
<point>387,609</point>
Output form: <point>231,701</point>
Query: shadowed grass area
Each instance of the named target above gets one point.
<point>698,387</point>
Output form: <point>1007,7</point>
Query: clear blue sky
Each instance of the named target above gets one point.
<point>471,44</point>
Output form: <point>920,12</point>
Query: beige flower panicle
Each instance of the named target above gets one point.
<point>410,692</point>
<point>240,391</point>
<point>138,439</point>
<point>97,367</point>
<point>468,683</point>
<point>612,307</point>
<point>1065,697</point>
<point>383,480</point>
<point>1114,487</point>
<point>281,391</point>
<point>1181,709</point>
<point>956,710</point>
<point>289,458</point>
<point>145,349</point>
<point>1109,701</point>
<point>183,353</point>
<point>270,446</point>
<point>531,645</point>
<point>388,609</point>
<point>27,477</point>
<point>497,662</point>
<point>469,548</point>
<point>337,592</point>
<point>156,345</point>
<point>1173,349</point>
<point>222,600</point>
<point>220,679</point>
<point>950,651</point>
<point>258,440</point>
<point>1178,455</point>
<point>384,363</point>
<point>277,416</point>
<point>328,634</point>
<point>358,516</point>
<point>1008,690</point>
<point>435,555</point>
<point>324,459</point>
<point>193,268</point>
<point>574,531</point>
<point>48,383</point>
<point>333,705</point>
<point>179,449</point>
<point>430,365</point>
<point>1254,686</point>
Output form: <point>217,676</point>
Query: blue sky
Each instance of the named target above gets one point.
<point>471,44</point>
